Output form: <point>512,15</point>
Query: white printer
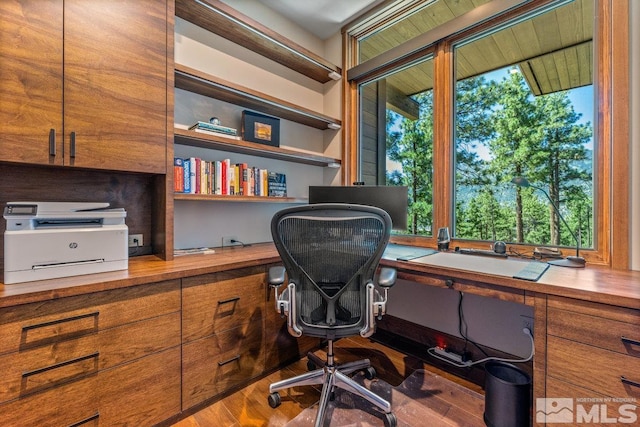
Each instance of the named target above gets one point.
<point>45,240</point>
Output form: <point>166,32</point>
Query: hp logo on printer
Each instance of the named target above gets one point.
<point>73,245</point>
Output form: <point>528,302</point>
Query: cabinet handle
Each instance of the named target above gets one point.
<point>59,365</point>
<point>226,362</point>
<point>52,142</point>
<point>55,322</point>
<point>86,420</point>
<point>629,382</point>
<point>227,301</point>
<point>630,341</point>
<point>72,149</point>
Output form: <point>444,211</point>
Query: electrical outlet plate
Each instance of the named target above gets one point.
<point>227,240</point>
<point>135,240</point>
<point>527,322</point>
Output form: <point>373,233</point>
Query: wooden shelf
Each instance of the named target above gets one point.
<point>203,140</point>
<point>219,18</point>
<point>234,199</point>
<point>205,84</point>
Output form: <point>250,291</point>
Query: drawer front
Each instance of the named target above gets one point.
<point>588,407</point>
<point>593,368</point>
<point>141,393</point>
<point>75,403</point>
<point>36,324</point>
<point>40,368</point>
<point>217,302</point>
<point>214,364</point>
<point>602,332</point>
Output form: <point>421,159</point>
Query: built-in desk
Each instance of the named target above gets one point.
<point>587,321</point>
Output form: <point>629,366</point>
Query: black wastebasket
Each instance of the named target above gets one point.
<point>507,399</point>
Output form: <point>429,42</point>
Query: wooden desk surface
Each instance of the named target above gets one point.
<point>592,283</point>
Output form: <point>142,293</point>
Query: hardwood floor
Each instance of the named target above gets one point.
<point>248,406</point>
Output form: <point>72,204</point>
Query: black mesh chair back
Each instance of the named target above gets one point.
<point>330,252</point>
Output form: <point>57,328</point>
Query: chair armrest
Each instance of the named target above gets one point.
<point>276,276</point>
<point>387,277</point>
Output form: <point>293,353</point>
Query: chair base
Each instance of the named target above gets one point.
<point>331,376</point>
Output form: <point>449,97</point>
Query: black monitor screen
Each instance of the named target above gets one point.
<point>392,199</point>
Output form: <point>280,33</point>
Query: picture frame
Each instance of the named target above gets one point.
<point>260,128</point>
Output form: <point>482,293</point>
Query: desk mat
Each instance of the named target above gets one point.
<point>422,399</point>
<point>405,253</point>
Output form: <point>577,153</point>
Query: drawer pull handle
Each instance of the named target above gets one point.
<point>72,150</point>
<point>227,301</point>
<point>86,420</point>
<point>630,341</point>
<point>226,362</point>
<point>52,142</point>
<point>55,322</point>
<point>629,382</point>
<point>59,365</point>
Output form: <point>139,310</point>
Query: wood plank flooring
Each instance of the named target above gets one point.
<point>248,407</point>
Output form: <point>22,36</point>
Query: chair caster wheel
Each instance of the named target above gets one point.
<point>370,373</point>
<point>390,420</point>
<point>274,400</point>
<point>311,366</point>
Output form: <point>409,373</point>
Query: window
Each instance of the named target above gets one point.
<point>510,93</point>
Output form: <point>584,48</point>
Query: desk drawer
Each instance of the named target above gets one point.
<point>43,367</point>
<point>75,403</point>
<point>43,323</point>
<point>214,364</point>
<point>603,332</point>
<point>217,302</point>
<point>606,372</point>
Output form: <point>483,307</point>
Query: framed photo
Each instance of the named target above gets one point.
<point>260,128</point>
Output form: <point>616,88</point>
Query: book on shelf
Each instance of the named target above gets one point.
<point>186,176</point>
<point>224,135</point>
<point>277,184</point>
<point>178,175</point>
<point>214,128</point>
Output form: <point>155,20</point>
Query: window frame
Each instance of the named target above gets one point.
<point>611,124</point>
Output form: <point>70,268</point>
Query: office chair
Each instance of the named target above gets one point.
<point>330,254</point>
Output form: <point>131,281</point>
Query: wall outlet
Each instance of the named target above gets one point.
<point>135,240</point>
<point>228,241</point>
<point>527,322</point>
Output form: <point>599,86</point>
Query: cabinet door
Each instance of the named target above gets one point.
<point>115,84</point>
<point>31,81</point>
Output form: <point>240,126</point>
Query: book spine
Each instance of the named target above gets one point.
<point>192,175</point>
<point>198,175</point>
<point>218,177</point>
<point>228,176</point>
<point>178,175</point>
<point>187,175</point>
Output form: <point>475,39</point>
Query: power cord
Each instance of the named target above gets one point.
<point>244,245</point>
<point>462,322</point>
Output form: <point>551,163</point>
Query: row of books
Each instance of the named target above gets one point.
<point>221,177</point>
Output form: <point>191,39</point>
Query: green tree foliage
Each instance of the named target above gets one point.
<point>518,135</point>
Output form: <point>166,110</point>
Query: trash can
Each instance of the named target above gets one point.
<point>507,399</point>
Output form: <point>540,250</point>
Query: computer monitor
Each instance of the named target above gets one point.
<point>392,199</point>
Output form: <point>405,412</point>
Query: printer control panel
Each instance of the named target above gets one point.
<point>20,209</point>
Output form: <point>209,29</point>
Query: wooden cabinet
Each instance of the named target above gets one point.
<point>84,84</point>
<point>223,332</point>
<point>108,358</point>
<point>592,347</point>
<point>229,333</point>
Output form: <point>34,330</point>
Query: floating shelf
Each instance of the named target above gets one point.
<point>205,84</point>
<point>234,199</point>
<point>219,18</point>
<point>202,140</point>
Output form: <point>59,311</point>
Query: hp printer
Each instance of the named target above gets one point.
<point>46,240</point>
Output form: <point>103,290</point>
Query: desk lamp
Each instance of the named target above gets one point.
<point>571,261</point>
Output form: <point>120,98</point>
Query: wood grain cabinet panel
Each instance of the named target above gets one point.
<point>595,347</point>
<point>115,355</point>
<point>216,363</point>
<point>216,302</point>
<point>101,105</point>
